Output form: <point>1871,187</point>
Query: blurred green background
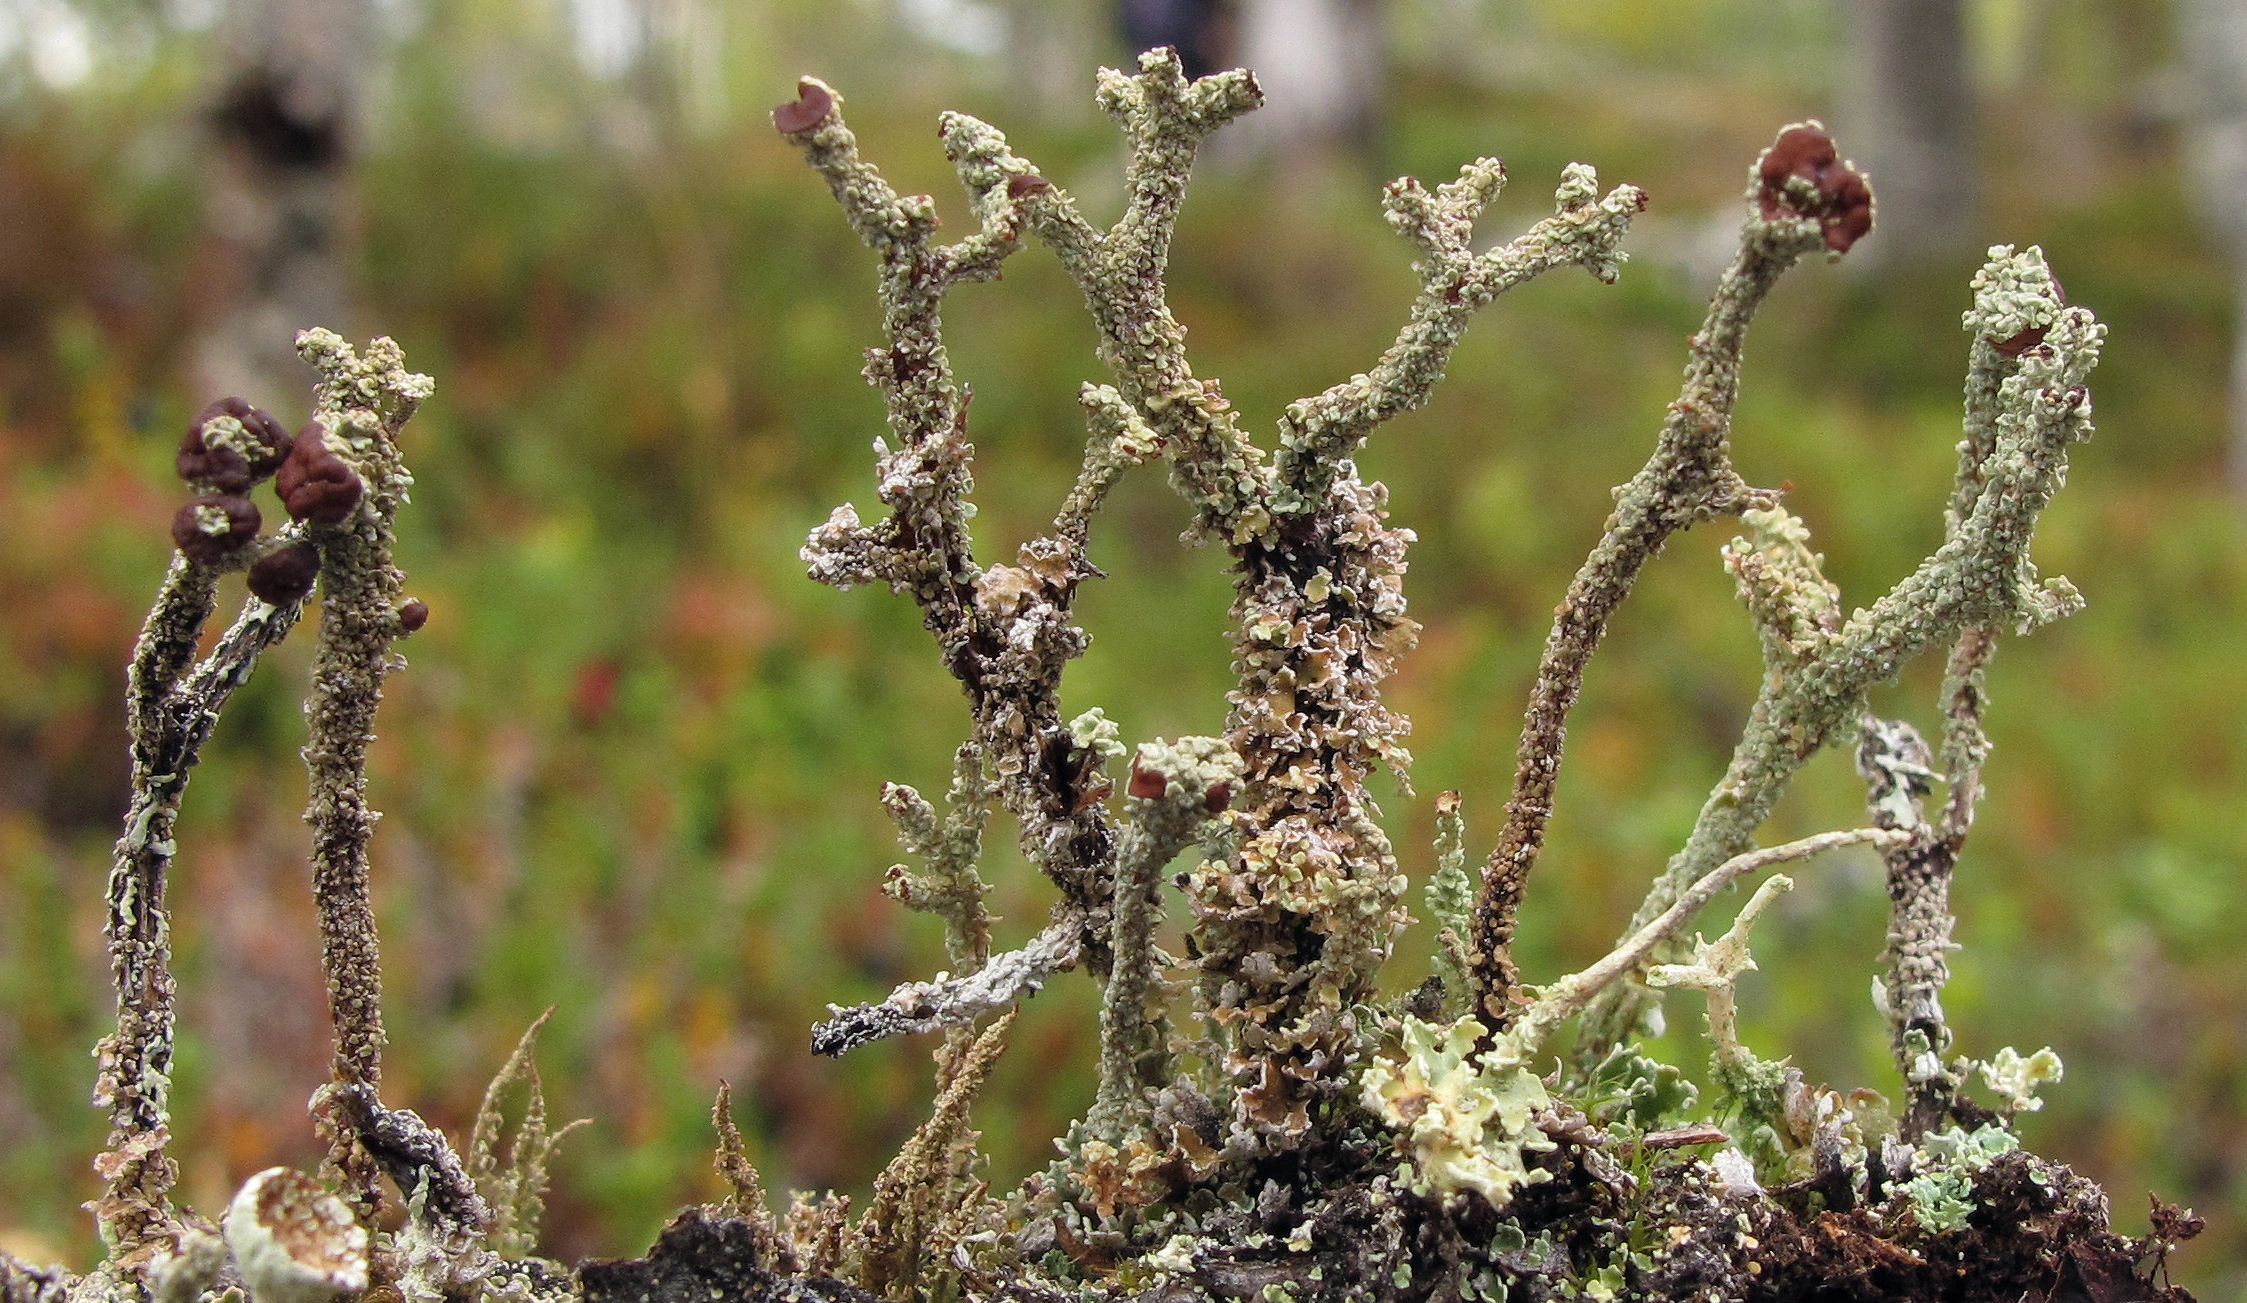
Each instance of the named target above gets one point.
<point>631,772</point>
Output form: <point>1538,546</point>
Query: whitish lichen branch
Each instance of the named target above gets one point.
<point>1571,995</point>
<point>948,1001</point>
<point>1715,969</point>
<point>1818,665</point>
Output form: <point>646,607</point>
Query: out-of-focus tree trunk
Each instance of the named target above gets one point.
<point>1908,114</point>
<point>2214,41</point>
<point>1202,31</point>
<point>280,116</point>
<point>282,126</point>
<point>1320,64</point>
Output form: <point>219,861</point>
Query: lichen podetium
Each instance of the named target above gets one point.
<point>1266,1124</point>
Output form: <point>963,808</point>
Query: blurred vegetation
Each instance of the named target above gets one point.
<point>631,772</point>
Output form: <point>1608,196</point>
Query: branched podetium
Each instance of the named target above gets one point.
<point>1299,1138</point>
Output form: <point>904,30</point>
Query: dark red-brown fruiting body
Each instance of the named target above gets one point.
<point>204,547</point>
<point>412,615</point>
<point>1146,784</point>
<point>1217,798</point>
<point>1843,203</point>
<point>1801,150</point>
<point>314,483</point>
<point>1026,183</point>
<point>1849,215</point>
<point>285,576</point>
<point>811,106</point>
<point>2034,335</point>
<point>230,470</point>
<point>2020,343</point>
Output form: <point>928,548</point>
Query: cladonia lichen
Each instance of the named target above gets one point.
<point>1266,1122</point>
<point>1462,1115</point>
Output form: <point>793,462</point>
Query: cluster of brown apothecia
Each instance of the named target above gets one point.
<point>1836,195</point>
<point>230,448</point>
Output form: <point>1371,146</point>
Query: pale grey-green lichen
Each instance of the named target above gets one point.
<point>1176,789</point>
<point>1300,1140</point>
<point>950,885</point>
<point>1981,577</point>
<point>1450,898</point>
<point>1940,1193</point>
<point>1292,923</point>
<point>1462,1115</point>
<point>1095,732</point>
<point>1688,479</point>
<point>1715,969</point>
<point>294,1242</point>
<point>2016,1078</point>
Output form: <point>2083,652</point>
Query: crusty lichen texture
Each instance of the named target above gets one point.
<point>1292,924</point>
<point>1267,1124</point>
<point>287,1237</point>
<point>1297,1136</point>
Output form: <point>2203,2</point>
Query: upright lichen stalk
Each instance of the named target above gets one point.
<point>1803,198</point>
<point>172,704</point>
<point>341,482</point>
<point>2027,403</point>
<point>1291,927</point>
<point>358,410</point>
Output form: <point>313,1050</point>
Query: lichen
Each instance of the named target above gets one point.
<point>1940,1193</point>
<point>1461,1115</point>
<point>1297,1137</point>
<point>2016,1079</point>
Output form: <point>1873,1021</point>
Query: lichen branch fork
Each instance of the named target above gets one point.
<point>1319,577</point>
